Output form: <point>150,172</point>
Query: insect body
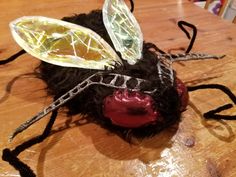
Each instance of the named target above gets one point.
<point>97,64</point>
<point>128,86</point>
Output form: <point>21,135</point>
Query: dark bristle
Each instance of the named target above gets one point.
<point>61,79</point>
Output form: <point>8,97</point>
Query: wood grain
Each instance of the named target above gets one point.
<point>193,147</point>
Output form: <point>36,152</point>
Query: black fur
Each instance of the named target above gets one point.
<point>60,79</point>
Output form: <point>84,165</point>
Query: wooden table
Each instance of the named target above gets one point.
<point>194,147</point>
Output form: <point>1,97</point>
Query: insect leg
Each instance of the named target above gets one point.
<point>212,114</point>
<point>181,24</point>
<point>11,156</point>
<point>189,56</point>
<point>53,106</point>
<point>13,57</point>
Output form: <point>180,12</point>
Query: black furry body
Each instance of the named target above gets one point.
<point>90,102</point>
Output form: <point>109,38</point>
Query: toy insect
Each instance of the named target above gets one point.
<point>97,64</point>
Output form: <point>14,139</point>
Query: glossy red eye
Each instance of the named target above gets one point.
<point>130,109</point>
<point>183,94</point>
<point>134,109</point>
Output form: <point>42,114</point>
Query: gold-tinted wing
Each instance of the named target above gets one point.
<point>123,30</point>
<point>63,43</point>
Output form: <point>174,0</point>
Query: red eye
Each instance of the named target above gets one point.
<point>183,94</point>
<point>135,109</point>
<point>130,109</point>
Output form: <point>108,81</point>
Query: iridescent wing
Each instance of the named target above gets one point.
<point>123,30</point>
<point>63,43</point>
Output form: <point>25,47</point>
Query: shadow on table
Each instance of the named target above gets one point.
<point>109,144</point>
<point>211,126</point>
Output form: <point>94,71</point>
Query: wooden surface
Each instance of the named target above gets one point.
<point>194,147</point>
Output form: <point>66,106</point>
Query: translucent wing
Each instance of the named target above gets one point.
<point>123,30</point>
<point>63,43</point>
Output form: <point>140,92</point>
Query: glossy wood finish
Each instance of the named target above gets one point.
<point>193,147</point>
